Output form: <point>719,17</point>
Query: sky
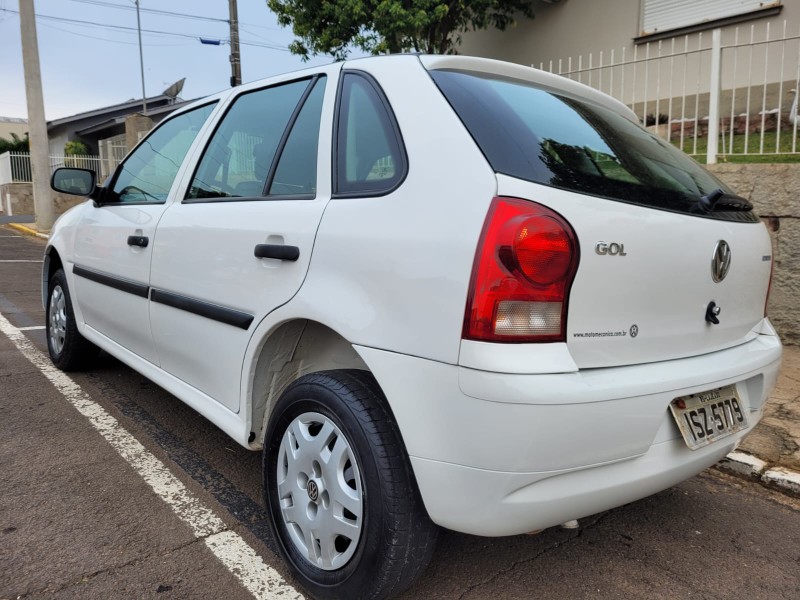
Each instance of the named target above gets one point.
<point>90,61</point>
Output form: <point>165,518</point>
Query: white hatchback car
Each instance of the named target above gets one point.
<point>434,290</point>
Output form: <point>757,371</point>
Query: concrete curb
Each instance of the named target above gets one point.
<point>753,468</point>
<point>28,230</point>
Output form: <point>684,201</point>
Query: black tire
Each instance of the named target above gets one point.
<point>68,349</point>
<point>397,538</point>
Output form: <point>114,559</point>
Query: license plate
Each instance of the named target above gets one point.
<point>706,417</point>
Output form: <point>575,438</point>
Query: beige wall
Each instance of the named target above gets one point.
<point>573,28</point>
<point>7,128</point>
<point>567,28</point>
<point>135,125</point>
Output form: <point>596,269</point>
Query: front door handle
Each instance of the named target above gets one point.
<point>138,240</point>
<point>278,251</point>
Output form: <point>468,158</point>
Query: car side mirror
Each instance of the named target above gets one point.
<point>79,182</point>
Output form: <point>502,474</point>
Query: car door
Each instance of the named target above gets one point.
<point>114,239</point>
<point>239,244</point>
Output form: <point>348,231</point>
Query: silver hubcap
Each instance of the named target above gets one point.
<point>57,318</point>
<point>319,489</point>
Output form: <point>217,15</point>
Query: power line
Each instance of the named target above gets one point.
<point>105,25</point>
<point>151,10</point>
<point>102,39</point>
<point>266,44</point>
<point>170,13</point>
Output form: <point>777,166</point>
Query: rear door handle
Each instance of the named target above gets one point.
<point>138,240</point>
<point>278,251</point>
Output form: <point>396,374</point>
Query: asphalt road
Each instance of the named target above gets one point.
<point>77,521</point>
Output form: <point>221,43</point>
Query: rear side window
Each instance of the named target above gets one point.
<point>369,158</point>
<point>544,137</point>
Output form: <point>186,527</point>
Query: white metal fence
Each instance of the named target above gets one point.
<point>713,93</point>
<point>15,167</point>
<point>112,151</point>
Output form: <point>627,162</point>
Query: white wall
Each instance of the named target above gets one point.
<point>56,144</point>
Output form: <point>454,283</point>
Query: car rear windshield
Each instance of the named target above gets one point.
<point>536,134</point>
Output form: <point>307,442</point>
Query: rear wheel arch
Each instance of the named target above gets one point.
<point>291,350</point>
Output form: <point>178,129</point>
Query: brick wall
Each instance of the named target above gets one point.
<point>20,198</point>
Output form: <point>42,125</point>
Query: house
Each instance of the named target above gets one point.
<point>113,129</point>
<point>573,28</point>
<point>108,134</point>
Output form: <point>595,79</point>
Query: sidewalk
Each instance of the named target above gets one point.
<point>4,218</point>
<point>771,452</point>
<point>776,439</point>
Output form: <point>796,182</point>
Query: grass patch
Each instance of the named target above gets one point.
<point>783,155</point>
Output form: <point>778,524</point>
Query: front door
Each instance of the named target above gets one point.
<point>239,244</point>
<point>114,241</point>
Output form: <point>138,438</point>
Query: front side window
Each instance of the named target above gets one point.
<point>238,159</point>
<point>370,158</point>
<point>148,173</point>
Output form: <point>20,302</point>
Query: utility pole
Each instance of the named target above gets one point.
<point>40,161</point>
<point>236,62</point>
<point>141,57</point>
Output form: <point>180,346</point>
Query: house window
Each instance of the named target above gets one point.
<point>667,15</point>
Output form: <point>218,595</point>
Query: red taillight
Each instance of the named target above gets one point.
<point>526,259</point>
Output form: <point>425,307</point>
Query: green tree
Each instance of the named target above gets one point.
<point>381,26</point>
<point>75,147</point>
<point>15,144</point>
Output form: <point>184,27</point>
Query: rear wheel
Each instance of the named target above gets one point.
<point>342,498</point>
<point>68,349</point>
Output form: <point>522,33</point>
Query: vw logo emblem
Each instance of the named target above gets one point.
<point>721,262</point>
<point>313,490</point>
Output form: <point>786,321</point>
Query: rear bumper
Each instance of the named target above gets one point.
<point>493,503</point>
<point>501,454</point>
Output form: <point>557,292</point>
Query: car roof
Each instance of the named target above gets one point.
<point>556,83</point>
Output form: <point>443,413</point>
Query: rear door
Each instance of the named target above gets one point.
<point>239,244</point>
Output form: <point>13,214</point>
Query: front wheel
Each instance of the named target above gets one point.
<point>68,349</point>
<point>338,484</point>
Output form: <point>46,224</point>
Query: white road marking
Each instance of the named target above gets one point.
<point>20,261</point>
<point>31,328</point>
<point>10,236</point>
<point>239,558</point>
